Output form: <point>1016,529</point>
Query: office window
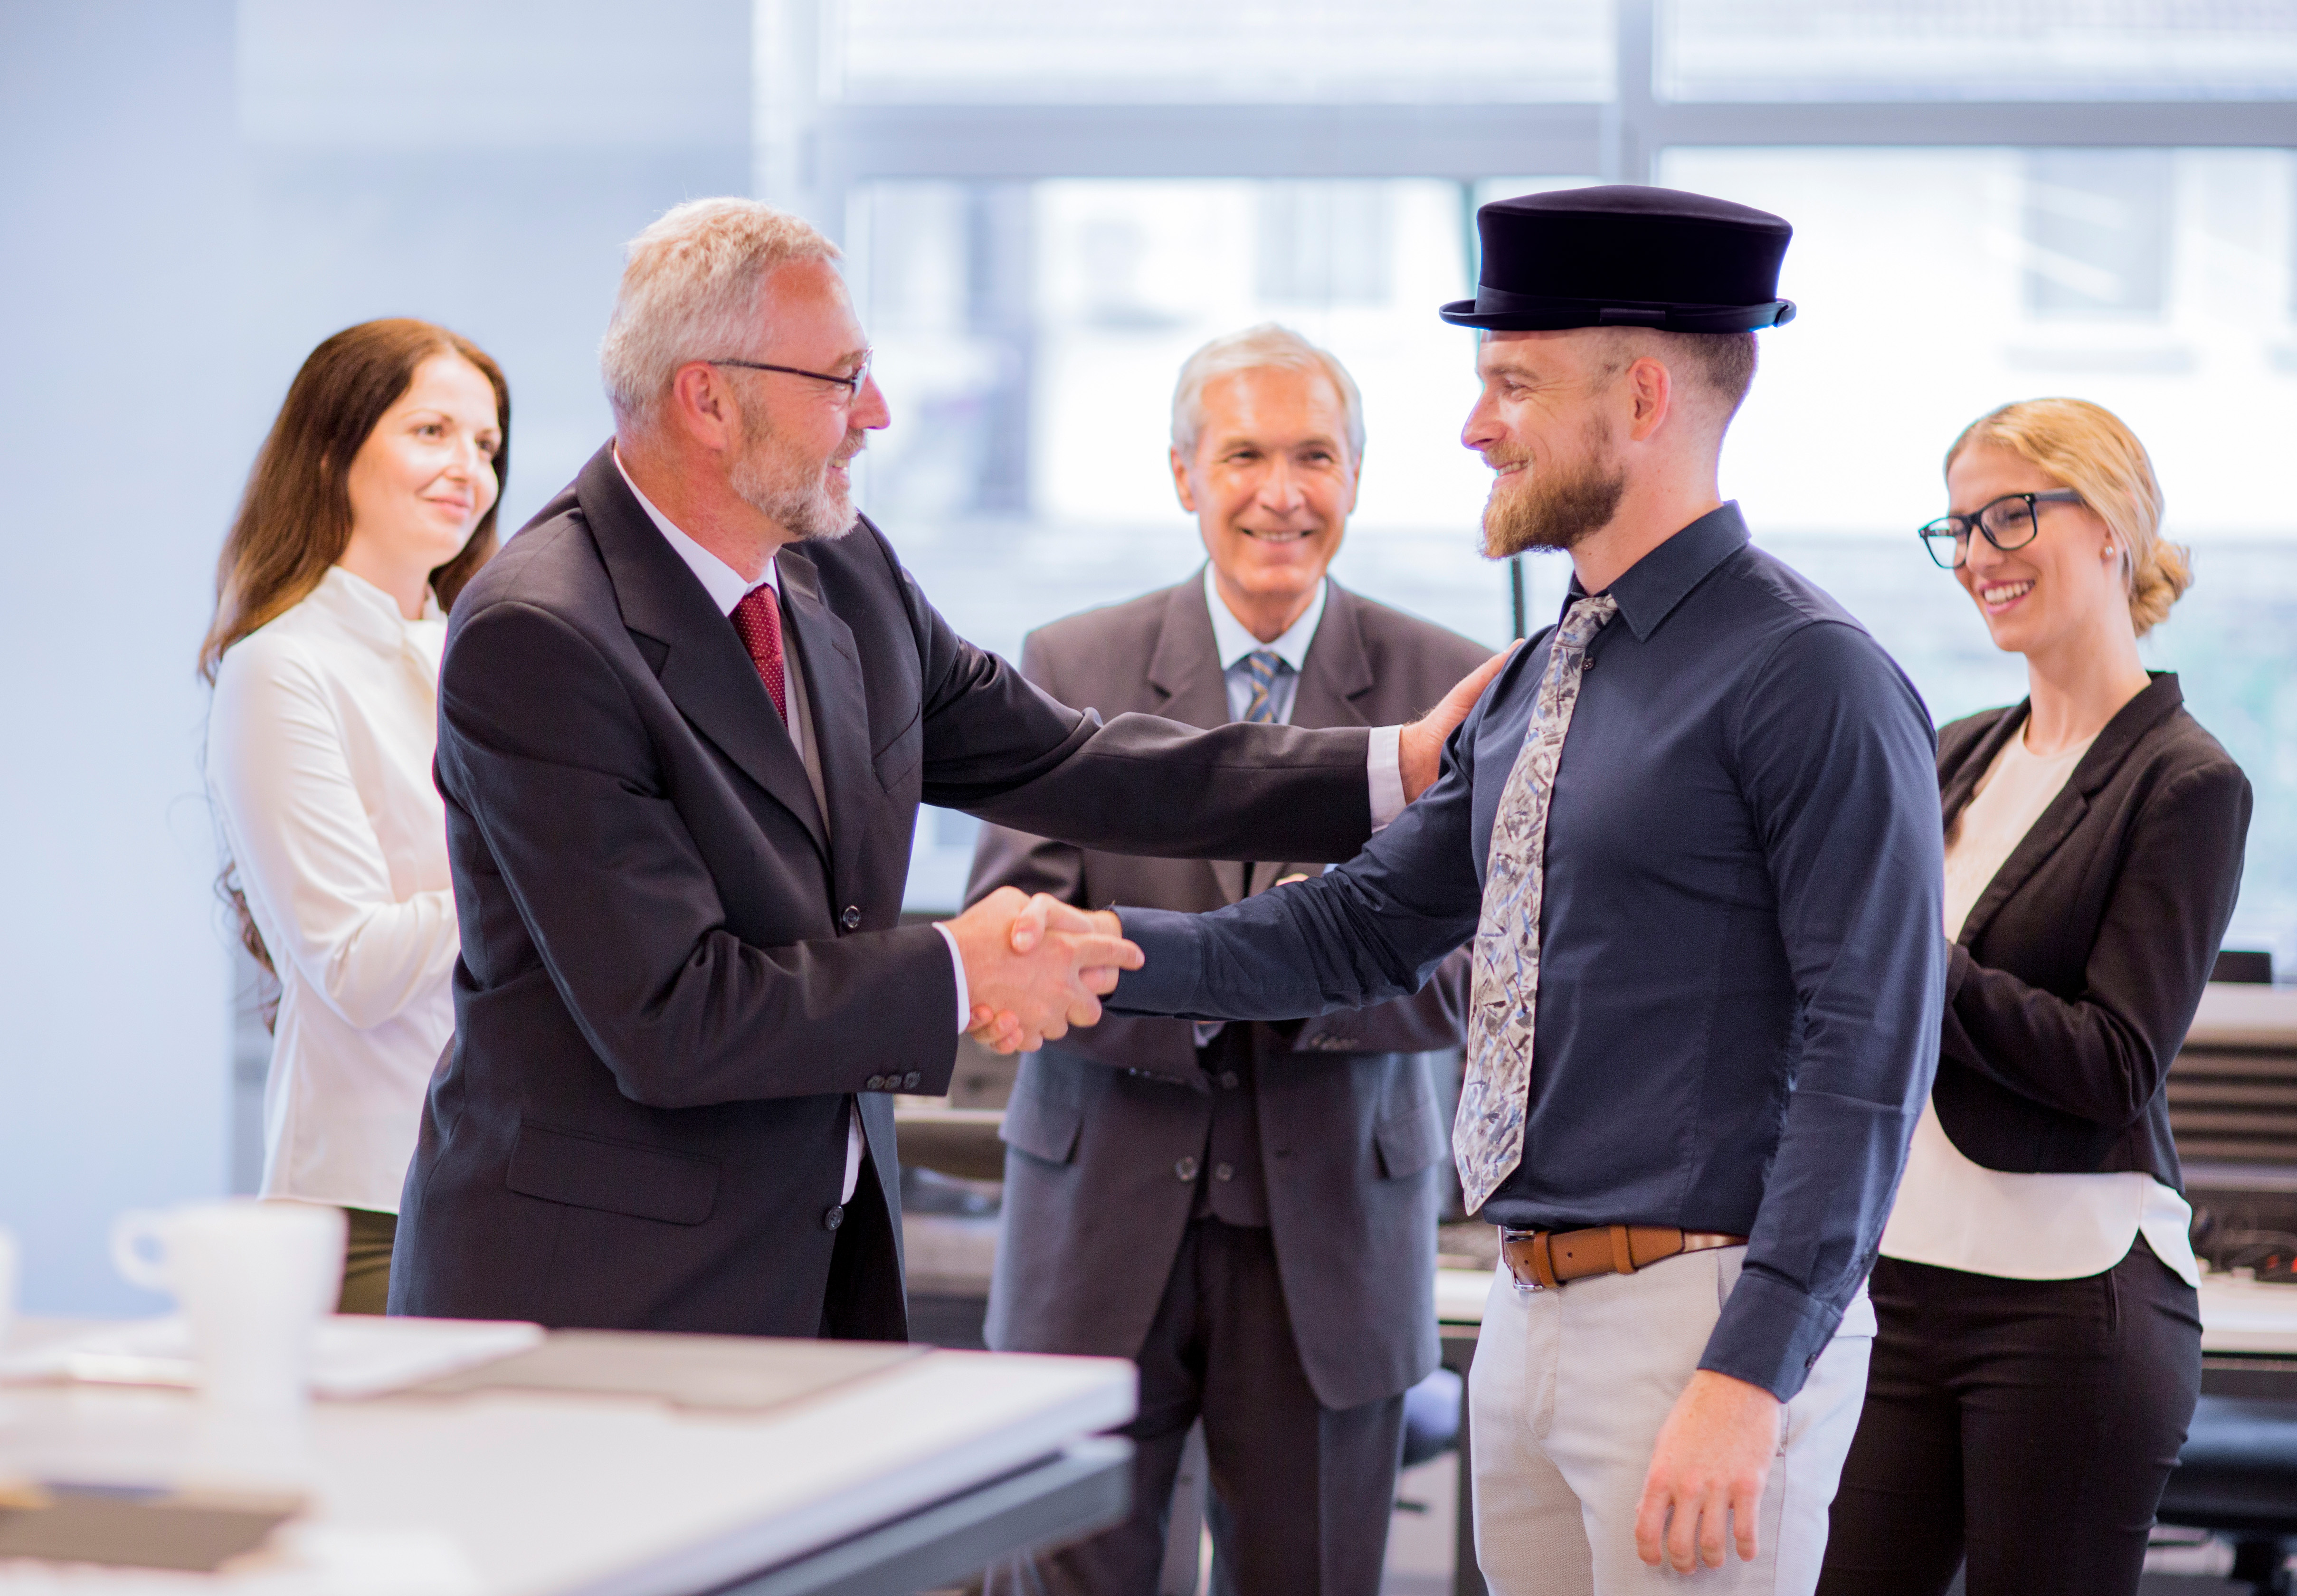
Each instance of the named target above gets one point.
<point>1914,270</point>
<point>1026,474</point>
<point>1754,50</point>
<point>2097,233</point>
<point>1211,50</point>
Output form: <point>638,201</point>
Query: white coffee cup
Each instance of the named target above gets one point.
<point>253,1279</point>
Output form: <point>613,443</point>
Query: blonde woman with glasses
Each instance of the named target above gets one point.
<point>2039,1352</point>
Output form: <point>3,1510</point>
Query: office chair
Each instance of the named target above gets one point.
<point>2237,1475</point>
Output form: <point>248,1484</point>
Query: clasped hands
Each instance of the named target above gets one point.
<point>1034,966</point>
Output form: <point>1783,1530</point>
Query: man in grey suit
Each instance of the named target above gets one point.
<point>1248,1211</point>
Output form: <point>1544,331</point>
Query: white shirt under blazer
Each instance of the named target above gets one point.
<point>320,739</point>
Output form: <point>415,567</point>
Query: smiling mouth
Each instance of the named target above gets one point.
<point>1275,537</point>
<point>2003,592</point>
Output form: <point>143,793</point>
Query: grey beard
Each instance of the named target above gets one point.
<point>808,511</point>
<point>1556,511</point>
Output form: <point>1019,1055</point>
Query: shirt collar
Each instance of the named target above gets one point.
<point>726,586</point>
<point>1234,641</point>
<point>370,612</point>
<point>1648,591</point>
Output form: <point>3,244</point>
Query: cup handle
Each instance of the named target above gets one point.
<point>128,1232</point>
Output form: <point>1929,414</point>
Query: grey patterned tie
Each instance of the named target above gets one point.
<point>1261,667</point>
<point>1487,1136</point>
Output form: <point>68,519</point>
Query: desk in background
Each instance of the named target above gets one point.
<point>913,1473</point>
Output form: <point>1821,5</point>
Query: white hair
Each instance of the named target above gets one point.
<point>1256,349</point>
<point>690,291</point>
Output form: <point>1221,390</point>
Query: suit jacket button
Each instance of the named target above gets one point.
<point>1186,1168</point>
<point>852,919</point>
<point>1229,1080</point>
<point>874,1084</point>
<point>910,1082</point>
<point>1223,1172</point>
<point>833,1216</point>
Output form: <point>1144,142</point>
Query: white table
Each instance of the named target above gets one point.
<point>897,1480</point>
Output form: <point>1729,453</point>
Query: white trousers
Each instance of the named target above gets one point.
<point>1566,1398</point>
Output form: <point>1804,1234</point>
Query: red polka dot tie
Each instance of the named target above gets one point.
<point>759,619</point>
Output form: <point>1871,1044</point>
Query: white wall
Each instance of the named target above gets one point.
<point>193,194</point>
<point>120,398</point>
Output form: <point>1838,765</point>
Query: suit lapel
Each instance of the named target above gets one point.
<point>698,657</point>
<point>1336,674</point>
<point>831,664</point>
<point>1184,667</point>
<point>1335,679</point>
<point>2114,743</point>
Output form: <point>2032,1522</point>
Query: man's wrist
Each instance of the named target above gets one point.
<point>957,969</point>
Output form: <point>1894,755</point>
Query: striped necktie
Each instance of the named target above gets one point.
<point>1261,667</point>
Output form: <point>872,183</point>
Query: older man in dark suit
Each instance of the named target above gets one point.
<point>1248,1211</point>
<point>685,720</point>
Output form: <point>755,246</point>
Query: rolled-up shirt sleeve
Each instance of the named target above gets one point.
<point>1837,761</point>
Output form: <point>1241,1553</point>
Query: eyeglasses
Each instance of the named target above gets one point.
<point>2008,523</point>
<point>852,384</point>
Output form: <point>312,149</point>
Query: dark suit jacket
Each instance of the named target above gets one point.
<point>2078,970</point>
<point>674,972</point>
<point>1351,1135</point>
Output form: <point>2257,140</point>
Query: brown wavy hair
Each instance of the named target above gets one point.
<point>294,520</point>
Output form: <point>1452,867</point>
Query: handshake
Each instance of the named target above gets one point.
<point>1034,966</point>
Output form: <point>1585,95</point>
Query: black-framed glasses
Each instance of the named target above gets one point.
<point>852,384</point>
<point>2008,523</point>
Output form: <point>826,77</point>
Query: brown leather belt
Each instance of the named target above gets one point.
<point>1543,1260</point>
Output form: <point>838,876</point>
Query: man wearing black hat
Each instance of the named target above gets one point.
<point>1692,832</point>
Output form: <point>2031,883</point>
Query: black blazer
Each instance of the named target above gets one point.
<point>674,972</point>
<point>2081,965</point>
<point>1351,1136</point>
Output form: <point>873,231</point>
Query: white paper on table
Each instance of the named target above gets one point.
<point>352,1355</point>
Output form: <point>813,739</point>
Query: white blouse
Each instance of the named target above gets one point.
<point>319,761</point>
<point>1957,1214</point>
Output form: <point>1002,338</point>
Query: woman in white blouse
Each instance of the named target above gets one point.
<point>371,504</point>
<point>2039,1351</point>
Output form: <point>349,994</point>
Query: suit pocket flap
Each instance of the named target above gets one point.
<point>1409,1142</point>
<point>615,1177</point>
<point>1041,1129</point>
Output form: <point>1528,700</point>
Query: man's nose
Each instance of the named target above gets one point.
<point>870,411</point>
<point>1482,428</point>
<point>1281,488</point>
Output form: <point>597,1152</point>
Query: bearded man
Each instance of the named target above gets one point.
<point>685,719</point>
<point>1692,832</point>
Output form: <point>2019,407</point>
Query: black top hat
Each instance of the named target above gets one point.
<point>1623,256</point>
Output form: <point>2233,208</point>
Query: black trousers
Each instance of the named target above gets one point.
<point>1301,1494</point>
<point>2030,1424</point>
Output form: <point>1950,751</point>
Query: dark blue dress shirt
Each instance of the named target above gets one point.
<point>1740,965</point>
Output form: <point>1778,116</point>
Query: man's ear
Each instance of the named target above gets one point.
<point>1356,482</point>
<point>1180,482</point>
<point>1650,389</point>
<point>702,405</point>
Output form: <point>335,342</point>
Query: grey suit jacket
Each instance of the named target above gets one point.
<point>1351,1135</point>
